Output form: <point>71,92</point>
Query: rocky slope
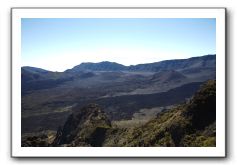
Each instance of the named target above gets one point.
<point>190,124</point>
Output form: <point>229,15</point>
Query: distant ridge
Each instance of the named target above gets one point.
<point>34,69</point>
<point>101,66</point>
<point>177,64</point>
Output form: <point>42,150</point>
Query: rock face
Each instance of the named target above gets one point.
<point>87,127</point>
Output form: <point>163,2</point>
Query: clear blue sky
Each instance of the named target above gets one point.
<point>59,44</point>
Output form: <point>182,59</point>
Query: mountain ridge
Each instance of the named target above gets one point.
<point>155,66</point>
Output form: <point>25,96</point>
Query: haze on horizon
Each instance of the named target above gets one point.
<point>58,44</point>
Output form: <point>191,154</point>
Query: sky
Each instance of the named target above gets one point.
<point>58,44</point>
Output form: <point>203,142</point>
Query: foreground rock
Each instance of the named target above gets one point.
<point>85,128</point>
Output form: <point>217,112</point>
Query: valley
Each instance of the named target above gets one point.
<point>130,96</point>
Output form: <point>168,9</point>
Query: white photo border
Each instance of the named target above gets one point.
<point>218,13</point>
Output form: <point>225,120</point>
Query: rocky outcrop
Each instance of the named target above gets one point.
<point>86,127</point>
<point>201,110</point>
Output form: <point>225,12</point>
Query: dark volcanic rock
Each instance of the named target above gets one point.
<point>86,127</point>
